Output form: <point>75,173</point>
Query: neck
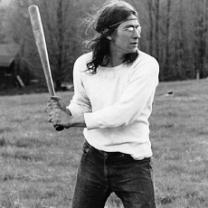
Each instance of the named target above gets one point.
<point>116,58</point>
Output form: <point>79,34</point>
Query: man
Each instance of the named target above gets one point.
<point>114,87</point>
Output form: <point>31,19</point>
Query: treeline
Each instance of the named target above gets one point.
<point>177,36</point>
<point>173,31</point>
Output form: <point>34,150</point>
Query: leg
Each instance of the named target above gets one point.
<point>91,189</point>
<point>134,185</point>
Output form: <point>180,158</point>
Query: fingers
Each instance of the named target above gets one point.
<point>53,116</point>
<point>54,111</point>
<point>58,114</point>
<point>55,98</point>
<point>52,104</point>
<point>56,102</point>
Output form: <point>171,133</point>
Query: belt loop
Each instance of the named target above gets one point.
<point>105,155</point>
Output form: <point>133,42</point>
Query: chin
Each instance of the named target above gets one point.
<point>133,50</point>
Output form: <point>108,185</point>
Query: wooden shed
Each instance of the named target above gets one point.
<point>8,66</point>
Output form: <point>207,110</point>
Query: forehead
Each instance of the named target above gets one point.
<point>129,22</point>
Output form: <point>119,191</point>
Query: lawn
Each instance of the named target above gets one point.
<point>38,165</point>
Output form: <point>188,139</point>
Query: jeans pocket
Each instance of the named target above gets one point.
<point>86,148</point>
<point>148,169</point>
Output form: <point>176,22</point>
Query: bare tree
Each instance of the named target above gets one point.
<point>151,11</point>
<point>157,28</point>
<point>60,24</point>
<point>200,38</point>
<point>167,60</point>
<point>61,33</point>
<point>175,32</point>
<point>180,42</point>
<point>205,21</point>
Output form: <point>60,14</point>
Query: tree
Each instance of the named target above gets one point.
<point>168,55</point>
<point>179,44</point>
<point>1,23</point>
<point>61,30</point>
<point>60,24</point>
<point>17,30</point>
<point>151,11</point>
<point>175,32</point>
<point>200,38</point>
<point>59,21</point>
<point>157,28</point>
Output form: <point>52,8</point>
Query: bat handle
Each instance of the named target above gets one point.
<point>58,127</point>
<point>57,99</point>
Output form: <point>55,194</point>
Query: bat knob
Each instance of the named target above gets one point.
<point>59,127</point>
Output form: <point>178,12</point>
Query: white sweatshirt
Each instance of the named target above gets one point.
<point>116,102</point>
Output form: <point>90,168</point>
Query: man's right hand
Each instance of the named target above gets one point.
<point>59,116</point>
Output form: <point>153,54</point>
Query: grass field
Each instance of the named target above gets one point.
<point>38,165</point>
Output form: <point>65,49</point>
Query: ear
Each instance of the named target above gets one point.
<point>109,37</point>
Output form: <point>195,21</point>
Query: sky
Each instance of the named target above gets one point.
<point>4,2</point>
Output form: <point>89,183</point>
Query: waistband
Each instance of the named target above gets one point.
<point>113,155</point>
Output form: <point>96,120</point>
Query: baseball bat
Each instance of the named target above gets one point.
<point>39,36</point>
<point>38,32</point>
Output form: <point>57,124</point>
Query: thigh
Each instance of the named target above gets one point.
<point>135,186</point>
<point>91,191</point>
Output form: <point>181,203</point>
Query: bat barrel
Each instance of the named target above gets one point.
<point>35,17</point>
<point>38,32</point>
<point>42,49</point>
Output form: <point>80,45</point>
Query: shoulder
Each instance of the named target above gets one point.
<point>147,62</point>
<point>83,59</point>
<point>147,59</point>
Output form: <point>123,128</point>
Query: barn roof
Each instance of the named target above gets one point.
<point>8,53</point>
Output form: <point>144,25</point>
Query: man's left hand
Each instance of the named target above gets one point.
<point>58,114</point>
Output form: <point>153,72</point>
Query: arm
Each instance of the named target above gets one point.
<point>80,102</point>
<point>141,88</point>
<point>73,114</point>
<point>60,116</point>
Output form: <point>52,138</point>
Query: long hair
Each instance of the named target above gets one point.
<point>106,21</point>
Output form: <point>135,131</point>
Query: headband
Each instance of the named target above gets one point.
<point>106,30</point>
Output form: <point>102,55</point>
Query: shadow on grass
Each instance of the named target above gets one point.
<point>22,155</point>
<point>27,142</point>
<point>5,129</point>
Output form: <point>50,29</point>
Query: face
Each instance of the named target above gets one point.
<point>125,39</point>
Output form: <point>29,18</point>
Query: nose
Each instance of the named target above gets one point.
<point>137,33</point>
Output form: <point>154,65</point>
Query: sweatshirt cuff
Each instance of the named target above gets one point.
<point>74,110</point>
<point>90,121</point>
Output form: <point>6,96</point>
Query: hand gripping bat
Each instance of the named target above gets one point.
<point>39,36</point>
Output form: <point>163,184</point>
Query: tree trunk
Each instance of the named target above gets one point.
<point>157,28</point>
<point>205,25</point>
<point>180,45</point>
<point>151,22</point>
<point>60,41</point>
<point>167,59</point>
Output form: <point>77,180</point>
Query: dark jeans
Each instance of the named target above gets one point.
<point>101,173</point>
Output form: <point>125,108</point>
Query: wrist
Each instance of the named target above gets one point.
<point>68,111</point>
<point>77,121</point>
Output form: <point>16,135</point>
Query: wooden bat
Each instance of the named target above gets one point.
<point>41,45</point>
<point>38,32</point>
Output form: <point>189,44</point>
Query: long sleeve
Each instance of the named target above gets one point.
<point>80,102</point>
<point>135,98</point>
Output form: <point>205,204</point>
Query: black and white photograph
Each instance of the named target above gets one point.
<point>103,103</point>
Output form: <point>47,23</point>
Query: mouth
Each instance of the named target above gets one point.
<point>135,44</point>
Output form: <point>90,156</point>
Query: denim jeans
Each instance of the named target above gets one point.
<point>101,173</point>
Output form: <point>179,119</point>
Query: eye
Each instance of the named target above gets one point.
<point>129,29</point>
